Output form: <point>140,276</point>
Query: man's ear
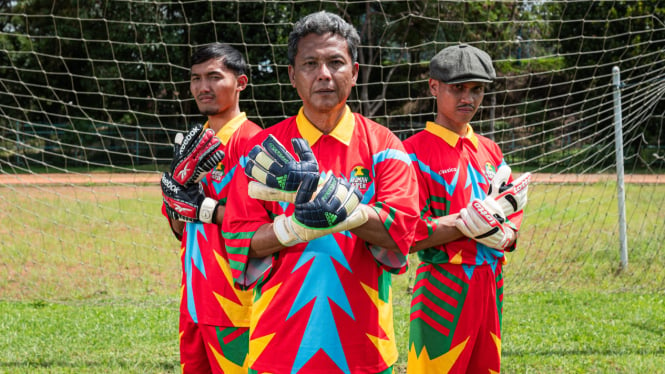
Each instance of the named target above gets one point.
<point>434,86</point>
<point>292,76</point>
<point>242,81</point>
<point>356,69</point>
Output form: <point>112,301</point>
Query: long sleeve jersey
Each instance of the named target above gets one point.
<point>325,306</point>
<point>208,292</point>
<point>452,171</point>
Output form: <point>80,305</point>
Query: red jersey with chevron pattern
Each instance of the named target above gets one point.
<point>326,306</point>
<point>208,293</point>
<point>452,171</point>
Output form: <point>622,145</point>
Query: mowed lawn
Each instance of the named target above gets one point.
<point>89,283</point>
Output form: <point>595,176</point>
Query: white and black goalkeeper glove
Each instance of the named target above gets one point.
<point>187,204</point>
<point>334,208</point>
<point>195,155</point>
<point>484,222</point>
<point>280,176</point>
<point>511,197</point>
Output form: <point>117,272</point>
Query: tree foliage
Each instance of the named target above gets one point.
<point>125,63</point>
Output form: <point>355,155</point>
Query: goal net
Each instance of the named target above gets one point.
<point>93,92</point>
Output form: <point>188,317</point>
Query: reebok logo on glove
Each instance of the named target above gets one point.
<point>189,137</point>
<point>182,174</point>
<point>181,209</point>
<point>169,184</point>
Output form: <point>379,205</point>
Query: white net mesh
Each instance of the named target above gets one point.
<point>96,89</point>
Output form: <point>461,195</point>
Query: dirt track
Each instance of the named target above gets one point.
<point>153,178</point>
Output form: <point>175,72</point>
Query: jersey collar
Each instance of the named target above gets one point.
<point>341,132</point>
<point>224,134</point>
<point>450,137</point>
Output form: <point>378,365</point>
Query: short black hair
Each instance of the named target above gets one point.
<point>231,57</point>
<point>322,23</point>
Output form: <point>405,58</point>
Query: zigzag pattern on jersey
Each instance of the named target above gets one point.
<point>499,297</point>
<point>193,260</point>
<point>435,309</point>
<point>321,267</point>
<point>233,343</point>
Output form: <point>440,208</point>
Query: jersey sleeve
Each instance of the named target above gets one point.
<point>426,220</point>
<point>396,203</point>
<point>242,218</point>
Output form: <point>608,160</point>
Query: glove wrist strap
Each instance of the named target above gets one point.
<point>207,210</point>
<point>284,232</point>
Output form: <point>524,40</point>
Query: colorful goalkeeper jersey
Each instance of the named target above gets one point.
<point>452,171</point>
<point>326,306</point>
<point>208,293</point>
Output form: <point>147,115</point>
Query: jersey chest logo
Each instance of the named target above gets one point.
<point>218,173</point>
<point>490,172</point>
<point>360,177</point>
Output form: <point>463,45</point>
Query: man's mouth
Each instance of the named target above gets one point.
<point>206,98</point>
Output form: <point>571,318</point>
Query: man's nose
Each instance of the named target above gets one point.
<point>324,72</point>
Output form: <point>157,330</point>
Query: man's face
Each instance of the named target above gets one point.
<point>323,72</point>
<point>214,87</point>
<point>456,103</point>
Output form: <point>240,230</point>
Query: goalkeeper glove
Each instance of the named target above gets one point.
<point>511,197</point>
<point>335,208</point>
<point>188,204</point>
<point>195,155</point>
<point>483,222</point>
<point>279,174</point>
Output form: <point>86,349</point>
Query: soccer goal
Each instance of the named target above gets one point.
<point>93,92</point>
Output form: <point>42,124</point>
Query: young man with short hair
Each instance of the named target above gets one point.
<point>214,315</point>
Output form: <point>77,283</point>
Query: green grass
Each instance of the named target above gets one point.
<point>89,283</point>
<point>39,337</point>
<point>584,332</point>
<point>543,332</point>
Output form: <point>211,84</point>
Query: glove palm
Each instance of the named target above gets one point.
<point>280,175</point>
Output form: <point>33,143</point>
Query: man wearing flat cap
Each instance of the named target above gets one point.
<point>467,224</point>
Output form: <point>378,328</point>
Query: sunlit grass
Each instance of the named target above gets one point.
<point>90,277</point>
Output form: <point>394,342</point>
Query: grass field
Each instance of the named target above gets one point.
<point>89,281</point>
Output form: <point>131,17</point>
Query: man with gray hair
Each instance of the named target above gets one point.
<point>320,261</point>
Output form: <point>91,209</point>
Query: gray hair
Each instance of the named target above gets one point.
<point>322,23</point>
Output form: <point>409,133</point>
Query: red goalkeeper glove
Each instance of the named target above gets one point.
<point>187,204</point>
<point>198,154</point>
